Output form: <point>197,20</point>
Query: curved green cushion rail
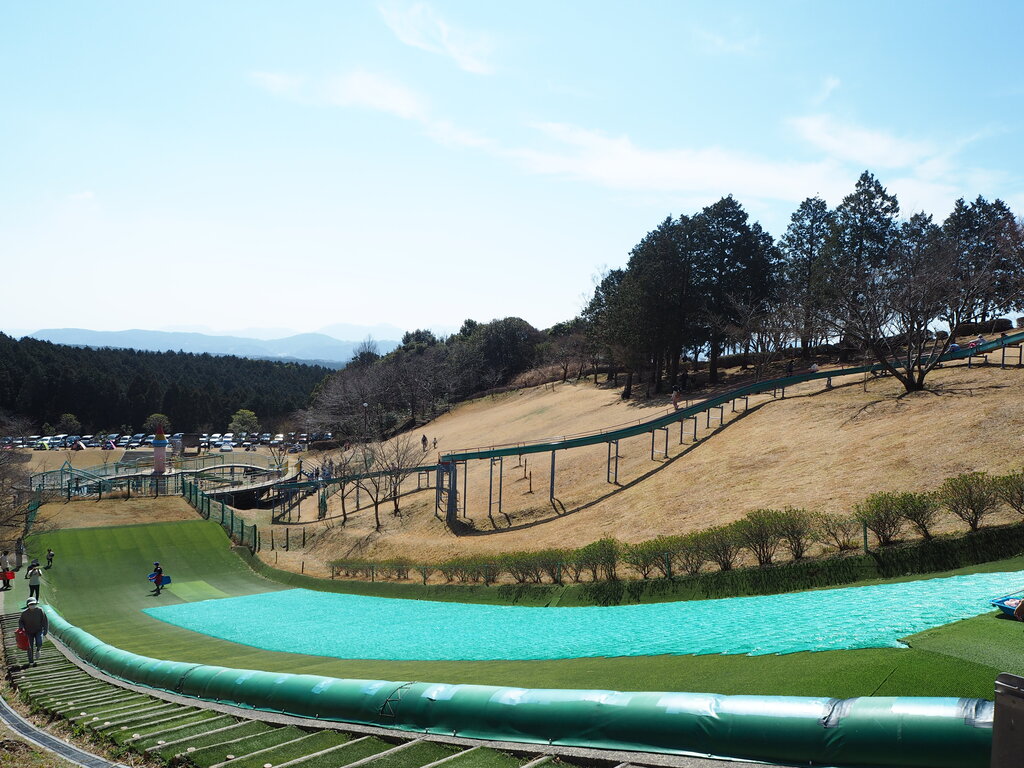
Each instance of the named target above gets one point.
<point>867,731</point>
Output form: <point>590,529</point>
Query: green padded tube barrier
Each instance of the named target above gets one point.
<point>885,732</point>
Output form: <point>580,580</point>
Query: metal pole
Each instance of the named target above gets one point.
<point>490,487</point>
<point>453,502</point>
<point>551,490</point>
<point>501,475</point>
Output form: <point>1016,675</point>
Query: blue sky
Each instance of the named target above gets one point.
<point>296,165</point>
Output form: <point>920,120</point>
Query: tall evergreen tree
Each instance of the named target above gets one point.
<point>803,260</point>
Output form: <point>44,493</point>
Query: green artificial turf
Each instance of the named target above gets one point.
<point>250,728</point>
<point>416,755</point>
<point>100,585</point>
<point>486,758</point>
<point>307,745</point>
<point>357,749</point>
<point>218,753</point>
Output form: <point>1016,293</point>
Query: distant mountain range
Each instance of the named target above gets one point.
<point>316,348</point>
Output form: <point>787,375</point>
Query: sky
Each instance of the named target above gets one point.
<point>295,166</point>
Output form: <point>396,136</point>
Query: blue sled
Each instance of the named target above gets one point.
<point>1007,605</point>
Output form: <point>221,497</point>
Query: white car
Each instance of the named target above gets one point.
<point>226,447</point>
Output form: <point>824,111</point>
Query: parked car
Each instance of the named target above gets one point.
<point>226,447</point>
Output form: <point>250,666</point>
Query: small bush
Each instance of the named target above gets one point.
<point>721,545</point>
<point>522,567</point>
<point>601,558</point>
<point>397,568</point>
<point>919,509</point>
<point>324,445</point>
<point>797,528</point>
<point>761,533</point>
<point>1010,489</point>
<point>879,513</point>
<point>972,497</point>
<point>551,562</point>
<point>999,325</point>
<point>839,531</point>
<point>667,549</point>
<point>691,555</point>
<point>643,557</point>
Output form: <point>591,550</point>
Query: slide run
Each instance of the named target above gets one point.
<point>661,422</point>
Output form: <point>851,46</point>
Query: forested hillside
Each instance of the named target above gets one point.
<point>855,280</point>
<point>108,389</point>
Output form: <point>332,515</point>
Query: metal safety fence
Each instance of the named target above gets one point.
<point>210,509</point>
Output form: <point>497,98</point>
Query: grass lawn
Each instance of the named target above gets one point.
<point>99,583</point>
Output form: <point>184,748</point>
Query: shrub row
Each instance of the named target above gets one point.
<point>764,534</point>
<point>999,325</point>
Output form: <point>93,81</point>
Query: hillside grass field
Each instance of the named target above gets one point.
<point>822,450</point>
<point>99,583</point>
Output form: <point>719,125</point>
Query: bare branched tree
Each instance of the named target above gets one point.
<point>765,329</point>
<point>889,309</point>
<point>13,509</point>
<point>381,468</point>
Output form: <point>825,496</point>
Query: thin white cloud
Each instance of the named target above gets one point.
<point>862,146</point>
<point>277,83</point>
<point>450,134</point>
<point>368,90</point>
<point>828,85</point>
<point>718,43</point>
<point>420,26</point>
<point>925,174</point>
<point>377,92</point>
<point>85,194</point>
<point>618,163</point>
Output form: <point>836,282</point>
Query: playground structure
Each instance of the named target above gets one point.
<point>211,472</point>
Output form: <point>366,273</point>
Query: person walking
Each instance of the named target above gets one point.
<point>35,625</point>
<point>158,578</point>
<point>5,566</point>
<point>35,577</point>
<point>49,558</point>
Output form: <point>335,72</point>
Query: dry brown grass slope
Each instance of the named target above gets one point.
<point>822,450</point>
